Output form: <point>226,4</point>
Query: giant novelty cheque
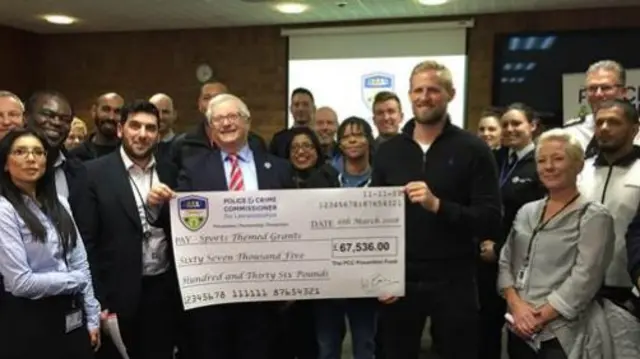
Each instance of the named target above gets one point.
<point>283,245</point>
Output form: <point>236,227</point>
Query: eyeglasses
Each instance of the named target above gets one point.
<point>603,88</point>
<point>50,115</point>
<point>23,153</point>
<point>233,117</point>
<point>302,146</point>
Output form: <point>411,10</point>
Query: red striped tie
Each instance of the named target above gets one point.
<point>236,183</point>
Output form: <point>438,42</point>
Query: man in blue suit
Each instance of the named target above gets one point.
<point>232,331</point>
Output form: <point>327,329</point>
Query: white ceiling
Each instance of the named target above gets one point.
<point>124,15</point>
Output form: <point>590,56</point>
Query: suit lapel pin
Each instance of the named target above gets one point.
<point>267,165</point>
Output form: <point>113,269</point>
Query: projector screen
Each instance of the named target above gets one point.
<point>345,68</point>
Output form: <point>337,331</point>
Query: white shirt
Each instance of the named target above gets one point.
<point>154,248</point>
<point>247,166</point>
<point>523,152</point>
<point>62,186</point>
<point>618,188</point>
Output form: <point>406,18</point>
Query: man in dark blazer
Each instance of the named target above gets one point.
<point>242,331</point>
<point>50,114</point>
<point>129,243</point>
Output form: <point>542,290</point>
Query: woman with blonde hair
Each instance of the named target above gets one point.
<point>554,260</point>
<point>77,134</point>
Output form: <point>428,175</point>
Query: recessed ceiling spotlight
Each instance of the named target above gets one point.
<point>291,8</point>
<point>59,19</point>
<point>432,2</point>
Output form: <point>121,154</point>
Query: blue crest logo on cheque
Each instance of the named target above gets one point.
<point>193,212</point>
<point>373,83</point>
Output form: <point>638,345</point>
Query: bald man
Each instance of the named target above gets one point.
<point>325,124</point>
<point>168,115</point>
<point>106,116</point>
<point>209,91</point>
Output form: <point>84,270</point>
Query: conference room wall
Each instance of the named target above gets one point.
<point>251,60</point>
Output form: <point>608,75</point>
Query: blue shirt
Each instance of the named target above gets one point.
<point>348,180</point>
<point>34,270</point>
<point>247,167</point>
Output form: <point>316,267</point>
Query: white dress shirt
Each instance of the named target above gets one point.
<point>247,166</point>
<point>62,186</point>
<point>154,248</point>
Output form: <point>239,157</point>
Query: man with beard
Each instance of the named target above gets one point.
<point>49,113</point>
<point>106,114</point>
<point>168,117</point>
<point>613,178</point>
<point>325,124</point>
<point>605,80</point>
<point>451,182</point>
<point>129,243</point>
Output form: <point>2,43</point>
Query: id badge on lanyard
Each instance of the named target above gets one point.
<point>74,317</point>
<point>522,277</point>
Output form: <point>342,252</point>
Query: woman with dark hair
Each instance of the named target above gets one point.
<point>305,153</point>
<point>489,128</point>
<point>519,184</point>
<point>351,169</point>
<point>47,304</point>
<point>296,338</point>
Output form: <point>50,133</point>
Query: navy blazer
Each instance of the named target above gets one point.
<point>205,172</point>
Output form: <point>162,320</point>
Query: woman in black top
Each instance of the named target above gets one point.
<point>305,154</point>
<point>296,338</point>
<point>519,184</point>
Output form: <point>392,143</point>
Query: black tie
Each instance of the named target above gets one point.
<point>513,158</point>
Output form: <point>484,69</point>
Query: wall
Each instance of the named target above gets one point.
<point>18,60</point>
<point>251,60</point>
<point>481,42</point>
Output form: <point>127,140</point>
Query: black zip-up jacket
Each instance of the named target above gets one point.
<point>461,171</point>
<point>88,150</point>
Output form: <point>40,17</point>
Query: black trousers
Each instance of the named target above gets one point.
<point>492,310</point>
<point>151,332</point>
<point>295,332</point>
<point>37,329</point>
<point>233,331</point>
<point>379,341</point>
<point>519,349</point>
<point>451,301</point>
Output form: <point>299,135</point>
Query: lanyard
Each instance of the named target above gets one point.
<point>506,173</point>
<point>542,223</point>
<point>146,211</point>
